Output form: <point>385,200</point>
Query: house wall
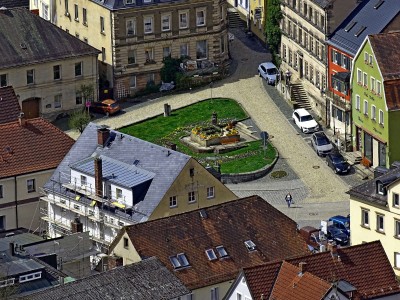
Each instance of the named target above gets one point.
<point>258,26</point>
<point>393,122</point>
<point>47,9</point>
<point>240,289</point>
<point>379,132</point>
<point>46,88</point>
<point>361,233</point>
<point>129,254</point>
<point>28,210</point>
<point>205,292</point>
<point>198,183</point>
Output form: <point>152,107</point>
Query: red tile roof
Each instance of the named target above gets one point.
<point>9,104</point>
<point>38,145</point>
<point>293,285</point>
<point>392,94</point>
<point>230,225</point>
<point>364,266</point>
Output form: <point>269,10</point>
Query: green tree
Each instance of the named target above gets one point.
<point>87,92</point>
<point>78,120</point>
<point>272,29</point>
<point>170,69</point>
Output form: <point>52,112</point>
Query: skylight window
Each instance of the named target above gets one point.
<point>350,26</point>
<point>250,245</point>
<point>221,251</point>
<point>362,28</point>
<point>179,261</point>
<point>210,254</point>
<point>378,4</point>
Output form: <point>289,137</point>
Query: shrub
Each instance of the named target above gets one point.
<point>79,120</point>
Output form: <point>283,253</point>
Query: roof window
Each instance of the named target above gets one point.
<point>362,28</point>
<point>378,4</point>
<point>221,251</point>
<point>250,245</point>
<point>179,261</point>
<point>210,254</point>
<point>350,26</point>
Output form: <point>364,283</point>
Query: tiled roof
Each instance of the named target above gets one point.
<point>375,20</point>
<point>392,93</point>
<point>166,164</point>
<point>367,191</point>
<point>228,225</point>
<point>9,104</point>
<point>148,279</point>
<point>38,145</point>
<point>365,266</point>
<point>294,285</point>
<point>27,39</point>
<point>14,3</point>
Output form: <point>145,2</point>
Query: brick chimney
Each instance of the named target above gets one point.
<point>98,177</point>
<point>302,267</point>
<point>102,136</point>
<point>21,119</point>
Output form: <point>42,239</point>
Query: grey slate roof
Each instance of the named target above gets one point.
<point>166,164</point>
<point>28,39</point>
<point>375,20</point>
<point>116,172</point>
<point>148,279</point>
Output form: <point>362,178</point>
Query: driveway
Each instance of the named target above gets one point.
<point>317,192</point>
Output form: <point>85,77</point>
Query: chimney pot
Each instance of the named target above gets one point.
<point>102,136</point>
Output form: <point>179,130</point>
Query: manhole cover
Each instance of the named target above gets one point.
<point>315,167</point>
<point>278,174</point>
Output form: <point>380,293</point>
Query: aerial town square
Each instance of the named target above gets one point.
<point>200,149</point>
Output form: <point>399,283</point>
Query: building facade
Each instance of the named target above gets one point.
<point>45,8</point>
<point>305,27</point>
<point>257,19</point>
<point>135,37</point>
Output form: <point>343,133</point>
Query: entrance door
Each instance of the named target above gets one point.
<point>301,67</point>
<point>358,138</point>
<point>30,108</point>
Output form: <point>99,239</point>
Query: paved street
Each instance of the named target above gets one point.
<point>317,192</point>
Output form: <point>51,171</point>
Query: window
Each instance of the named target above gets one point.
<point>379,223</point>
<point>166,22</point>
<point>30,76</point>
<point>250,245</point>
<point>45,11</point>
<point>84,16</point>
<point>57,101</point>
<point>397,228</point>
<point>222,44</point>
<point>1,192</point>
<point>210,192</point>
<point>183,20</point>
<point>30,183</point>
<point>102,24</point>
<point>2,222</point>
<point>372,84</point>
<point>126,243</point>
<point>78,98</point>
<point>131,26</point>
<point>149,53</point>
<point>201,17</point>
<point>211,254</point>
<point>132,56</point>
<point>132,82</point>
<point>396,202</point>
<point>103,54</point>
<point>66,8</point>
<point>359,76</point>
<point>366,107</point>
<point>381,117</point>
<point>378,87</point>
<point>365,217</point>
<point>30,277</point>
<point>191,172</point>
<point>365,56</point>
<point>130,1</point>
<point>201,49</point>
<point>173,201</point>
<point>3,80</point>
<point>238,296</point>
<point>215,293</point>
<point>191,197</point>
<point>365,81</point>
<point>76,12</point>
<point>358,101</point>
<point>57,72</point>
<point>148,24</point>
<point>397,260</point>
<point>78,69</point>
<point>118,192</point>
<point>166,51</point>
<point>221,251</point>
<point>83,180</point>
<point>373,112</point>
<point>184,50</point>
<point>179,261</point>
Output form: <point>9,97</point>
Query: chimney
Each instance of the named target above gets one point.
<point>332,247</point>
<point>102,136</point>
<point>12,249</point>
<point>98,177</point>
<point>302,267</point>
<point>21,119</point>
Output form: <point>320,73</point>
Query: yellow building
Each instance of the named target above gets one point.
<point>375,214</point>
<point>135,37</point>
<point>258,10</point>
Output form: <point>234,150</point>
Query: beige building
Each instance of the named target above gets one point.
<point>134,37</point>
<point>46,66</point>
<point>305,26</point>
<point>375,214</point>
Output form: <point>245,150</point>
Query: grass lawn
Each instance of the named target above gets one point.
<point>160,130</point>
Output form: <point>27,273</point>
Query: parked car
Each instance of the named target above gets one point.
<point>305,121</point>
<point>269,72</point>
<point>107,107</point>
<point>337,235</point>
<point>315,238</point>
<point>337,163</point>
<point>321,144</point>
<point>340,222</point>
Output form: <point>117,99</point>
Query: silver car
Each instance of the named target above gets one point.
<point>321,143</point>
<point>269,72</point>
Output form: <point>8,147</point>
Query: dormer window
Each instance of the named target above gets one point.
<point>380,188</point>
<point>83,180</point>
<point>179,261</point>
<point>211,254</point>
<point>221,251</point>
<point>250,245</point>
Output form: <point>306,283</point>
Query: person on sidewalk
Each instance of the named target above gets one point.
<point>288,199</point>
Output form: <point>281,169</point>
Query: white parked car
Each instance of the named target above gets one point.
<point>305,121</point>
<point>269,72</point>
<point>321,144</point>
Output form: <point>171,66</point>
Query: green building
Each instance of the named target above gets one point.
<point>375,82</point>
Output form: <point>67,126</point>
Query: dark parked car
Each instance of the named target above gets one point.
<point>337,235</point>
<point>107,107</point>
<point>337,163</point>
<point>341,222</point>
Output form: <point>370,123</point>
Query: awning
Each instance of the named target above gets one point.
<point>93,203</point>
<point>117,204</point>
<point>77,198</point>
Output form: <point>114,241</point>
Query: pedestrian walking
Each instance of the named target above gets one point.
<point>288,199</point>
